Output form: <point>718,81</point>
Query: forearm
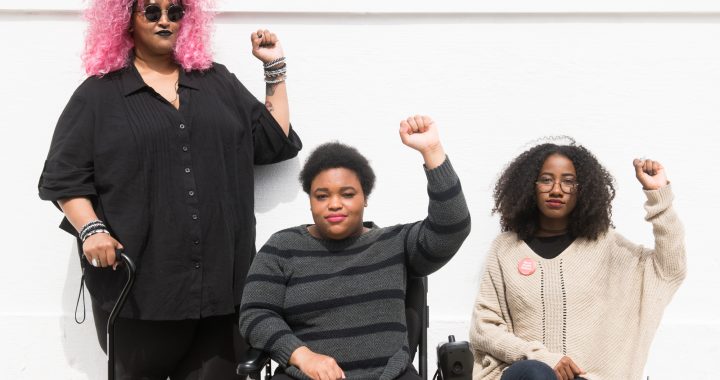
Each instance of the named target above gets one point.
<point>669,254</point>
<point>488,335</point>
<point>268,331</point>
<point>491,330</point>
<point>276,101</point>
<point>434,241</point>
<point>261,309</point>
<point>434,157</point>
<point>267,48</point>
<point>79,211</point>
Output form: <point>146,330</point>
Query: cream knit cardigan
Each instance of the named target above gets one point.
<point>598,302</point>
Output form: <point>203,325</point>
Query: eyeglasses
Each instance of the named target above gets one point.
<point>546,184</point>
<point>153,12</point>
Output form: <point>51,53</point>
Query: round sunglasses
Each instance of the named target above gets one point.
<point>153,12</point>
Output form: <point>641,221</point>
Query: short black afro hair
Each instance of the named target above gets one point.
<point>337,155</point>
<point>516,202</point>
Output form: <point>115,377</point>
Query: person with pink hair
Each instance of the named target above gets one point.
<point>154,155</point>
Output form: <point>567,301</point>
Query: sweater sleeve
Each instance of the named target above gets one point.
<point>261,309</point>
<point>432,242</point>
<point>491,326</point>
<point>668,257</point>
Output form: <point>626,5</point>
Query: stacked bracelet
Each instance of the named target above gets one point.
<point>93,232</point>
<point>92,228</point>
<point>275,71</point>
<point>274,62</point>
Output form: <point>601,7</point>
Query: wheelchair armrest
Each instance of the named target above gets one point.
<point>253,362</point>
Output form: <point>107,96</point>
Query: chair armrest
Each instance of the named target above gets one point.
<point>252,362</point>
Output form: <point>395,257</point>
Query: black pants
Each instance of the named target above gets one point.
<point>530,370</point>
<point>193,349</point>
<point>410,374</point>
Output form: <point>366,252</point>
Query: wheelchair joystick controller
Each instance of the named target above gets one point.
<point>455,360</point>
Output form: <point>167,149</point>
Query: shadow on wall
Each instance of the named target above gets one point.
<point>276,184</point>
<point>82,350</point>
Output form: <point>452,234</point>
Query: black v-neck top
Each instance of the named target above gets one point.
<point>175,187</point>
<point>549,247</point>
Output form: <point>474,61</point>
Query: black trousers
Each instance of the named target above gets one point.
<point>410,374</point>
<point>530,370</point>
<point>193,349</point>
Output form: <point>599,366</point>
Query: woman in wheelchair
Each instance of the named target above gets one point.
<point>564,296</point>
<point>327,300</point>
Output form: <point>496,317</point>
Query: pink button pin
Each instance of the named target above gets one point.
<point>527,266</point>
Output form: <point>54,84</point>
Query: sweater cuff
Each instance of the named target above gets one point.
<point>441,177</point>
<point>286,346</point>
<point>661,195</point>
<point>658,200</point>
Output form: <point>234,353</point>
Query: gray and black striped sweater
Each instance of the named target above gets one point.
<point>346,298</point>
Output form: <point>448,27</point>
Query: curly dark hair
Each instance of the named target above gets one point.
<point>516,201</point>
<point>337,155</point>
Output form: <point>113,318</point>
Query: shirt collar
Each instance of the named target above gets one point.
<point>133,82</point>
<point>189,79</point>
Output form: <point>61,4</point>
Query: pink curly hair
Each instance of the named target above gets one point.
<point>108,42</point>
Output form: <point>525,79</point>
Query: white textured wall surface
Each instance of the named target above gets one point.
<point>626,79</point>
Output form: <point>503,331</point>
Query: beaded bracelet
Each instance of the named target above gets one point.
<point>275,80</point>
<point>274,62</point>
<point>88,224</point>
<point>278,74</point>
<point>93,232</point>
<point>275,73</point>
<point>91,228</point>
<point>91,224</point>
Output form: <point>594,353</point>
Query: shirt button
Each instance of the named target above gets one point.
<point>194,216</point>
<point>182,126</point>
<point>191,193</point>
<point>185,148</point>
<point>197,265</point>
<point>196,242</point>
<point>187,170</point>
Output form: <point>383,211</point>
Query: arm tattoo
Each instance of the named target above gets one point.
<point>268,105</point>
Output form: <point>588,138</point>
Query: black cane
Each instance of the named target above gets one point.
<point>129,266</point>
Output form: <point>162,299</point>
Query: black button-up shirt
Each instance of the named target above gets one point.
<point>175,187</point>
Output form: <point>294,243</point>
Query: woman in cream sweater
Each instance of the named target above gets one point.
<point>563,295</point>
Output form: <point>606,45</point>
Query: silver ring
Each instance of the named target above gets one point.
<point>95,262</point>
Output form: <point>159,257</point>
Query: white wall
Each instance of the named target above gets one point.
<point>626,79</point>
